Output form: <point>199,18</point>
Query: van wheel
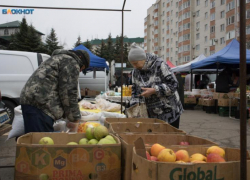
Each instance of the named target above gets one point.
<point>9,107</point>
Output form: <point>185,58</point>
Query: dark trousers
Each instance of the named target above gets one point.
<point>176,123</point>
<point>35,120</point>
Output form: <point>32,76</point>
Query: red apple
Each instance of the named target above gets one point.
<point>148,155</point>
<point>153,158</point>
<point>184,143</point>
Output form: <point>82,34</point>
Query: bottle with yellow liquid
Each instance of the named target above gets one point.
<point>129,90</point>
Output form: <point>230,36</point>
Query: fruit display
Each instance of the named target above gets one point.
<point>163,154</point>
<point>83,126</point>
<point>94,135</point>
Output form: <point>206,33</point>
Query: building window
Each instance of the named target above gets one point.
<point>212,29</point>
<point>197,13</point>
<point>172,21</point>
<point>222,14</point>
<point>16,30</point>
<point>206,27</point>
<point>198,24</point>
<point>230,35</point>
<point>163,31</point>
<point>230,20</point>
<point>206,15</point>
<point>212,52</point>
<point>197,47</point>
<point>212,17</point>
<point>248,14</point>
<point>176,14</point>
<point>163,39</point>
<point>206,3</point>
<point>171,12</point>
<point>171,3</point>
<point>6,32</point>
<point>186,26</point>
<point>176,4</point>
<point>212,4</point>
<point>248,30</point>
<point>186,37</point>
<point>205,50</point>
<point>230,5</point>
<point>176,24</point>
<point>163,4</point>
<point>197,36</point>
<point>222,40</point>
<point>197,2</point>
<point>222,27</point>
<point>205,38</point>
<point>163,13</point>
<point>222,2</point>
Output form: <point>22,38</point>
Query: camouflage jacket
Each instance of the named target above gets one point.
<point>53,87</point>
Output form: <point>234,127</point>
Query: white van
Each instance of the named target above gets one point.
<point>15,69</point>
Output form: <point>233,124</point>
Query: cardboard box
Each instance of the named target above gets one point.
<point>66,162</point>
<point>90,93</point>
<point>200,102</point>
<point>118,128</point>
<point>208,102</point>
<point>127,141</point>
<point>108,121</point>
<point>190,100</point>
<point>225,102</point>
<point>142,169</point>
<point>217,95</point>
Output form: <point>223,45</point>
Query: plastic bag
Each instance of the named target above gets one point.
<point>107,106</point>
<point>87,105</point>
<point>59,126</point>
<point>17,125</point>
<point>91,117</point>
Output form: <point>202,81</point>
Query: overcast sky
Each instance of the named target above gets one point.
<point>88,24</point>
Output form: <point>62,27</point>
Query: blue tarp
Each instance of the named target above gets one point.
<point>229,55</point>
<point>95,61</point>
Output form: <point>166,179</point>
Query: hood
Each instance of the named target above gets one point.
<point>66,52</point>
<point>150,61</point>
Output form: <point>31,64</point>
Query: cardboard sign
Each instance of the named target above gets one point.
<point>66,162</point>
<point>108,121</point>
<point>127,141</point>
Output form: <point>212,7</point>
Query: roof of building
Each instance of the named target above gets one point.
<point>126,40</point>
<point>14,24</point>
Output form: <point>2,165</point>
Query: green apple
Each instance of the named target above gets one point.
<point>46,141</point>
<point>72,143</point>
<point>93,141</point>
<point>83,141</point>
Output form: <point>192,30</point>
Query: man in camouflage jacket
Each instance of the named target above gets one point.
<point>52,91</point>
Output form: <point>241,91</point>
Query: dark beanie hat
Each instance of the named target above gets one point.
<point>84,56</point>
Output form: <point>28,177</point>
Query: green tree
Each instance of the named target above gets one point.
<point>33,40</point>
<point>19,40</point>
<point>78,42</point>
<point>125,55</point>
<point>88,45</point>
<point>101,50</point>
<point>52,42</point>
<point>117,49</point>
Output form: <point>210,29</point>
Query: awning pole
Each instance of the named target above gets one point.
<point>243,123</point>
<point>191,85</point>
<point>105,80</point>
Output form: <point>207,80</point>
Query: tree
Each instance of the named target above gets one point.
<point>78,42</point>
<point>125,55</point>
<point>51,42</point>
<point>88,45</point>
<point>33,40</point>
<point>117,49</point>
<point>101,51</point>
<point>19,40</point>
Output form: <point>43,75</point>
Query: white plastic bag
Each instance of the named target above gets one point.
<point>17,125</point>
<point>59,126</point>
<point>107,106</point>
<point>91,117</point>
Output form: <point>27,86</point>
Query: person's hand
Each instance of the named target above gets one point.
<point>147,92</point>
<point>73,125</point>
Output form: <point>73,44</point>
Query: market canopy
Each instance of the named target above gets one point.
<point>187,67</point>
<point>96,63</point>
<point>170,64</point>
<point>229,55</point>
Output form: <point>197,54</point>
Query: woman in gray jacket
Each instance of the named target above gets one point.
<point>153,80</point>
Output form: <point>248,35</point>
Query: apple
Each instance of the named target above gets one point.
<point>43,177</point>
<point>72,143</point>
<point>148,155</point>
<point>184,143</point>
<point>46,141</point>
<point>83,141</point>
<point>153,158</point>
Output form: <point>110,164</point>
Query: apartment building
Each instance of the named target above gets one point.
<point>181,30</point>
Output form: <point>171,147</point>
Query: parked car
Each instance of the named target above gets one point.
<point>15,69</point>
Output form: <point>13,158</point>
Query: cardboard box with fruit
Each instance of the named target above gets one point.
<point>94,155</point>
<point>108,121</point>
<point>127,142</point>
<point>178,163</point>
<point>190,100</point>
<point>134,127</point>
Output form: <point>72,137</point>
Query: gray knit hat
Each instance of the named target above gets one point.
<point>136,53</point>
